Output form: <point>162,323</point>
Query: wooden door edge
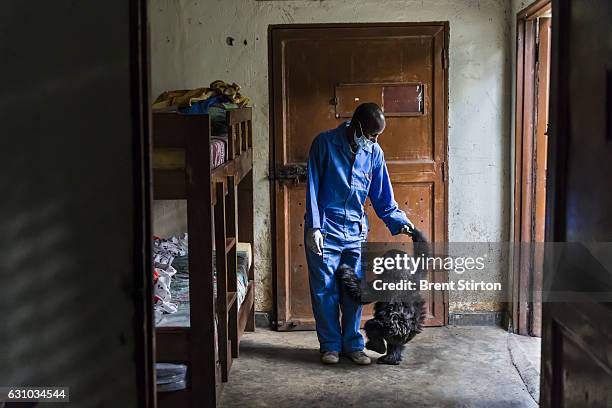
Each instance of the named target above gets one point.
<point>518,308</point>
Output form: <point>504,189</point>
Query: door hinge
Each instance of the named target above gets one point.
<point>443,172</point>
<point>292,172</point>
<point>444,56</point>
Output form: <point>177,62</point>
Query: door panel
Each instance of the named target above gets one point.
<point>577,332</point>
<point>539,159</point>
<point>298,270</point>
<point>417,201</point>
<point>315,73</point>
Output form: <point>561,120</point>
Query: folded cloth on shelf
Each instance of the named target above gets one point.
<point>171,377</point>
<point>188,98</point>
<point>245,257</point>
<point>170,158</point>
<point>217,151</point>
<point>179,285</point>
<point>162,279</point>
<point>175,246</point>
<point>245,248</point>
<point>218,117</point>
<point>164,253</point>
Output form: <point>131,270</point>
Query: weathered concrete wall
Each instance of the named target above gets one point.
<point>169,218</point>
<point>189,49</point>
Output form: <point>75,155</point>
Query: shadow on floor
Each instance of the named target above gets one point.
<point>280,353</point>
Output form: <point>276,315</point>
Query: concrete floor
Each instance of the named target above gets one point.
<point>443,367</point>
<point>525,355</point>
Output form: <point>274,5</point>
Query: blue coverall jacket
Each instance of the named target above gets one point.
<point>336,192</point>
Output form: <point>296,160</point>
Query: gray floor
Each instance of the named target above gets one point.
<point>525,355</point>
<point>443,367</point>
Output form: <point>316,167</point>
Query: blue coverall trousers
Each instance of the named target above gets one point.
<point>329,298</point>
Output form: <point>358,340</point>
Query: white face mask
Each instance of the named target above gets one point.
<point>362,141</point>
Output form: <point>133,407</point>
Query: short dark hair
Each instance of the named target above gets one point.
<point>371,117</point>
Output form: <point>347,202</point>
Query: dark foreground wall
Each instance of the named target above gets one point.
<point>72,236</point>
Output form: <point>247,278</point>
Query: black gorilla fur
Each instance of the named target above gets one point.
<point>394,323</point>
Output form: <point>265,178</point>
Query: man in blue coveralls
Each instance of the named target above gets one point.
<point>345,166</point>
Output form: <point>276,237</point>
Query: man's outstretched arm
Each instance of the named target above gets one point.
<point>383,201</point>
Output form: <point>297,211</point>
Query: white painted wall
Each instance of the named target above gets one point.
<point>188,49</point>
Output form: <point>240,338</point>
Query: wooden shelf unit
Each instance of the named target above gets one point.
<point>219,215</point>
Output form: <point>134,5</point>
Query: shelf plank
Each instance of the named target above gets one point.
<point>239,115</point>
<point>173,344</point>
<point>231,298</point>
<point>168,159</point>
<point>169,184</point>
<point>181,398</point>
<point>229,244</point>
<point>245,309</point>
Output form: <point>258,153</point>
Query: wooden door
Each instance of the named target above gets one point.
<point>532,99</point>
<point>319,74</point>
<point>539,159</point>
<point>577,328</point>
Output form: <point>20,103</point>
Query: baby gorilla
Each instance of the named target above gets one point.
<point>395,322</point>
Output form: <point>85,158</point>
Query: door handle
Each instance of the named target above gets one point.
<point>295,173</point>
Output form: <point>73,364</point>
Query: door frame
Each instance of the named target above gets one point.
<point>144,355</point>
<point>524,307</point>
<point>275,110</point>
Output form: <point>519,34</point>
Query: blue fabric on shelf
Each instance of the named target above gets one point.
<point>201,107</point>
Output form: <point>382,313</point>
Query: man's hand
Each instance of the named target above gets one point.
<point>407,228</point>
<point>314,241</point>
